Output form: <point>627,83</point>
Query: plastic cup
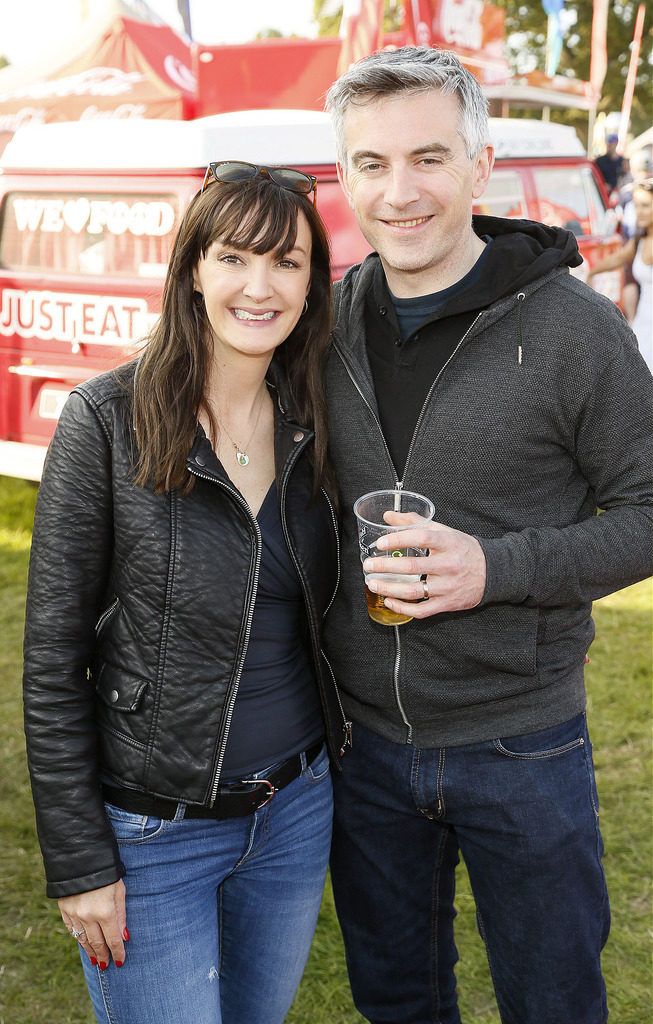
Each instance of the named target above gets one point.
<point>369,510</point>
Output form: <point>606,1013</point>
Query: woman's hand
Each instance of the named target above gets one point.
<point>101,918</point>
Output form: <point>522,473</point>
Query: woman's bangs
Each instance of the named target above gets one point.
<point>261,219</point>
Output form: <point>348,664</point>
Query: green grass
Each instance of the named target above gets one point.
<point>40,981</point>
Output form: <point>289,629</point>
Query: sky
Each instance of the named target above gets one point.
<point>31,27</point>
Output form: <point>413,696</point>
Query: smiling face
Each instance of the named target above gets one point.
<point>253,301</point>
<point>411,185</point>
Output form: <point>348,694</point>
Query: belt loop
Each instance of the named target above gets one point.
<point>180,813</point>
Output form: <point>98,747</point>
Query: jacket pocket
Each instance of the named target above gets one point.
<point>119,689</point>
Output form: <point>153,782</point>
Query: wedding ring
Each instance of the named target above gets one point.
<point>425,584</point>
<point>77,934</point>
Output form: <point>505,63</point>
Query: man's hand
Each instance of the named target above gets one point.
<point>98,918</point>
<point>455,568</point>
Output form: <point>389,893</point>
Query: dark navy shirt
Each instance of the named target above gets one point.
<point>412,313</point>
<point>277,711</point>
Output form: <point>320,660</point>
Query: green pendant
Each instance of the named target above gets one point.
<point>242,459</point>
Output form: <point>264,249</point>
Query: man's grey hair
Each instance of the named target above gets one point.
<point>410,69</point>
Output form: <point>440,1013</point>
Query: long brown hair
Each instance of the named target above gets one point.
<point>172,373</point>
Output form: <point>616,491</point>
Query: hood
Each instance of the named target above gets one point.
<point>525,250</point>
<point>518,253</point>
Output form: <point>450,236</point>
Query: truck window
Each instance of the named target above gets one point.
<point>112,235</point>
<point>503,197</point>
<point>568,197</point>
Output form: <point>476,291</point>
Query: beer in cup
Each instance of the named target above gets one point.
<point>369,510</point>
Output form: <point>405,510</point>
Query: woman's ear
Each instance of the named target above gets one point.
<point>197,287</point>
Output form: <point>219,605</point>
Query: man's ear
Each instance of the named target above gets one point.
<point>482,169</point>
<point>342,178</point>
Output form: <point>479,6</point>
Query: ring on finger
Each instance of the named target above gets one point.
<point>77,933</point>
<point>425,585</point>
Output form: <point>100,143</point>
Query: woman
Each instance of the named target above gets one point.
<point>184,553</point>
<point>638,255</point>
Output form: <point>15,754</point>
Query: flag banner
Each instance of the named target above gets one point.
<point>627,104</point>
<point>599,47</point>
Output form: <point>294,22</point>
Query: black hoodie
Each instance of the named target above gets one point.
<point>521,251</point>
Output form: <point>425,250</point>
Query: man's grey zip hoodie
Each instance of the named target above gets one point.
<point>540,415</point>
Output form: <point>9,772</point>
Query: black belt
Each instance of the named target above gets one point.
<point>235,800</point>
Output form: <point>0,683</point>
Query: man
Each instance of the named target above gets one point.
<point>610,164</point>
<point>469,365</point>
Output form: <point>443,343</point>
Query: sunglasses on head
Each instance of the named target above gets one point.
<point>285,177</point>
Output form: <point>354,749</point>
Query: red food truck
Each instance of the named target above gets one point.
<point>88,212</point>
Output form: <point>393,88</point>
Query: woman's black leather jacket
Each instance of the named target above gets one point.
<point>138,616</point>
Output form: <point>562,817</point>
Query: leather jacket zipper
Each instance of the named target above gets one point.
<point>105,616</point>
<point>253,584</point>
<point>317,650</point>
<point>399,486</point>
<point>334,520</point>
<point>348,725</point>
<point>347,741</point>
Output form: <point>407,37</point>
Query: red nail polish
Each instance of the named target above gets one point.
<point>103,966</point>
<point>118,963</point>
<point>125,934</point>
<point>94,961</point>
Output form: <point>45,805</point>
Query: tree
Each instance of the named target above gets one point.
<point>526,26</point>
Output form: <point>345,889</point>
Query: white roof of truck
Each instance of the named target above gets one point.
<point>260,136</point>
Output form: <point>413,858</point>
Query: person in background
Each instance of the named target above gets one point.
<point>611,165</point>
<point>470,366</point>
<point>636,258</point>
<point>185,549</point>
<point>641,166</point>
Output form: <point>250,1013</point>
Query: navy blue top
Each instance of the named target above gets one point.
<point>277,711</point>
<point>412,313</point>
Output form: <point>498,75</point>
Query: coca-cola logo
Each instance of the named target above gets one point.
<point>92,82</point>
<point>22,117</point>
<point>123,112</point>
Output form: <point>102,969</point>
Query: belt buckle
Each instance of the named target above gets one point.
<point>272,789</point>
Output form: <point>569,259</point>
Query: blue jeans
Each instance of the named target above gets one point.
<point>221,913</point>
<point>523,811</point>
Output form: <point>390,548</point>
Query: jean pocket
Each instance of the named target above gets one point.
<point>129,827</point>
<point>318,769</point>
<point>552,742</point>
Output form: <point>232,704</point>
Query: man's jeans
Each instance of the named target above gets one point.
<point>221,913</point>
<point>523,811</point>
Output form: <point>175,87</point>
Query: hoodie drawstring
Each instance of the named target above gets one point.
<point>520,348</point>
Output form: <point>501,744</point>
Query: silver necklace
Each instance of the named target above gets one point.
<point>242,458</point>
